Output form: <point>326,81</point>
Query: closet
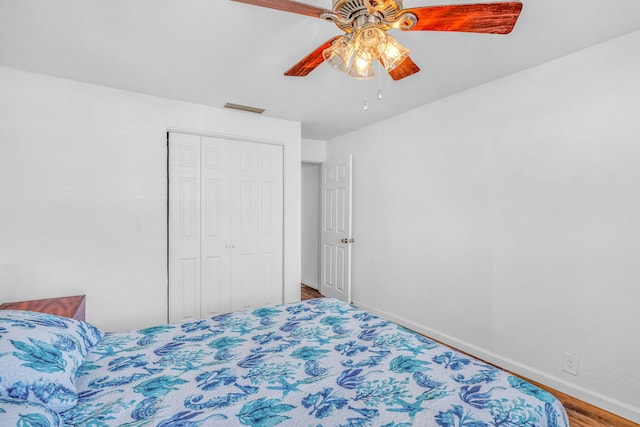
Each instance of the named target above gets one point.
<point>225,225</point>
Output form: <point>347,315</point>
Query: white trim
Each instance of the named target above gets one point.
<point>311,285</point>
<point>594,398</point>
<point>225,136</point>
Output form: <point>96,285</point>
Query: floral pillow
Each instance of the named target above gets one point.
<point>22,413</point>
<point>40,355</point>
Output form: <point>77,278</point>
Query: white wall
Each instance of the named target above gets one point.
<point>83,193</point>
<point>505,221</point>
<point>311,199</point>
<point>314,151</point>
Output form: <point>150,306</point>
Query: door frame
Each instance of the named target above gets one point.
<point>318,260</point>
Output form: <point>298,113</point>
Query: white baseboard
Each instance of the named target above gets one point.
<point>311,285</point>
<point>594,398</point>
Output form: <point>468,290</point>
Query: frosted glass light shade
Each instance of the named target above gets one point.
<point>393,54</point>
<point>339,54</point>
<point>370,42</point>
<point>355,52</point>
<point>361,69</point>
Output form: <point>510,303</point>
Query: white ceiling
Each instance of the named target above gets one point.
<point>217,51</point>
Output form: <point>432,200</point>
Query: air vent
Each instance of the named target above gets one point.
<point>244,108</point>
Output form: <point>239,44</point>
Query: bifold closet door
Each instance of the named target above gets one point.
<point>233,258</point>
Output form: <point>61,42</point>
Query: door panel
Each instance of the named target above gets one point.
<point>214,294</point>
<point>266,210</point>
<point>188,272</point>
<point>244,282</point>
<point>341,260</point>
<point>187,189</point>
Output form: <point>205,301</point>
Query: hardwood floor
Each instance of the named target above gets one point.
<point>309,293</point>
<point>580,413</point>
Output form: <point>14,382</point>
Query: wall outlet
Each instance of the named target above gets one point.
<point>570,363</point>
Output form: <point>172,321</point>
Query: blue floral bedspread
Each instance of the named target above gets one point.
<point>316,363</point>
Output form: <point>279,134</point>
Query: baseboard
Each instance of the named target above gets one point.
<point>311,285</point>
<point>593,398</point>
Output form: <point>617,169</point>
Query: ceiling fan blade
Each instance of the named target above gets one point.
<point>405,69</point>
<point>311,61</point>
<point>288,6</point>
<point>494,18</point>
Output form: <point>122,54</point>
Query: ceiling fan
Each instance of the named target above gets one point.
<point>365,24</point>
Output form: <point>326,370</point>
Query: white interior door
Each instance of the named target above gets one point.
<point>336,238</point>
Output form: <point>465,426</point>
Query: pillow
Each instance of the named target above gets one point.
<point>20,413</point>
<point>40,355</point>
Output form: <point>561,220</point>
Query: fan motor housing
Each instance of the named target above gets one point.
<point>349,10</point>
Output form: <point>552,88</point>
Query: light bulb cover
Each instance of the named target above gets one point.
<point>355,52</point>
<point>339,55</point>
<point>393,54</point>
<point>370,42</point>
<point>361,69</point>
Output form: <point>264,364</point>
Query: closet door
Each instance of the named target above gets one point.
<point>233,259</point>
<point>257,225</point>
<point>270,225</point>
<point>184,227</point>
<point>216,238</point>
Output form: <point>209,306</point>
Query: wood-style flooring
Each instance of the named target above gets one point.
<point>307,292</point>
<point>580,413</point>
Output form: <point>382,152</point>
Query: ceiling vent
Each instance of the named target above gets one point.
<point>244,108</point>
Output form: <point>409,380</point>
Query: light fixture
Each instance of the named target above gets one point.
<point>365,22</point>
<point>355,52</point>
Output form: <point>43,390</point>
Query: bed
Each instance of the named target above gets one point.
<point>320,362</point>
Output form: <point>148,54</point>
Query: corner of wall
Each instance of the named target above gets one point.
<point>314,151</point>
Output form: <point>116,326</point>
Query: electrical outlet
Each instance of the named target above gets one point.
<point>570,363</point>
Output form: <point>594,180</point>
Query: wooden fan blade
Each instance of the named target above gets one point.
<point>494,18</point>
<point>311,61</point>
<point>288,6</point>
<point>405,69</point>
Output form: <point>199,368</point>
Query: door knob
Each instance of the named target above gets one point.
<point>346,241</point>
